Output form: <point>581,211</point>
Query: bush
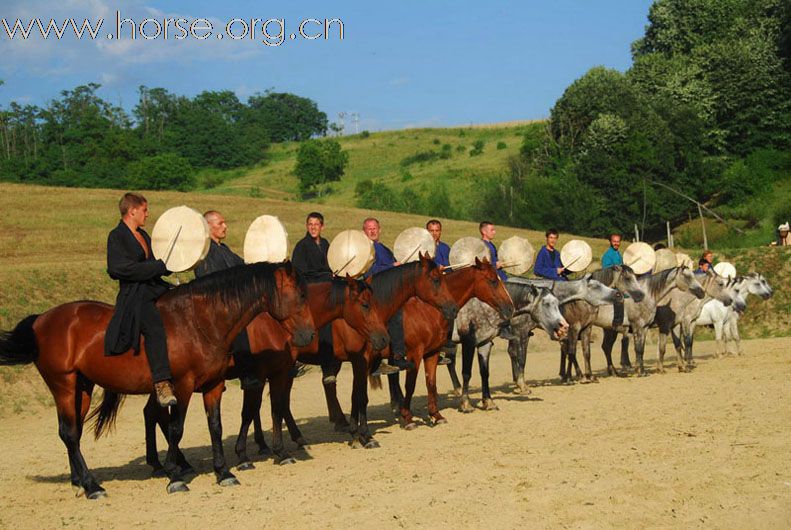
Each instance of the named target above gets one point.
<point>421,157</point>
<point>477,148</point>
<point>162,172</point>
<point>461,148</point>
<point>501,145</point>
<point>318,163</point>
<point>435,141</point>
<point>406,176</point>
<point>365,134</point>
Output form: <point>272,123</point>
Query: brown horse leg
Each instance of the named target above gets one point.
<point>467,357</point>
<point>334,409</point>
<point>454,379</point>
<point>430,364</point>
<point>72,400</point>
<point>410,382</point>
<point>251,406</point>
<point>175,433</point>
<point>278,387</point>
<point>211,403</point>
<point>359,427</point>
<point>151,417</point>
<point>607,343</point>
<point>258,431</point>
<point>291,424</point>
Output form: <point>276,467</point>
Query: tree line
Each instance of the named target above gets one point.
<point>705,109</point>
<point>80,139</point>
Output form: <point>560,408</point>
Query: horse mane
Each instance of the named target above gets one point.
<point>388,283</point>
<point>338,289</point>
<point>238,287</point>
<point>657,282</point>
<point>520,293</point>
<point>607,276</point>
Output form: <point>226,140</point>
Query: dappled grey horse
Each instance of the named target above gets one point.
<point>725,320</point>
<point>581,316</point>
<point>638,316</point>
<point>681,311</point>
<point>481,329</point>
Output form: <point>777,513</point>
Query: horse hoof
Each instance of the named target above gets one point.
<point>411,426</point>
<point>286,461</point>
<point>456,392</point>
<point>438,421</point>
<point>356,444</point>
<point>98,494</point>
<point>372,444</point>
<point>466,408</point>
<point>245,466</point>
<point>230,481</point>
<point>177,486</point>
<point>489,404</point>
<point>517,390</point>
<point>79,491</point>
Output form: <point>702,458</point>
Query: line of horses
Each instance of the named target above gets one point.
<point>281,314</point>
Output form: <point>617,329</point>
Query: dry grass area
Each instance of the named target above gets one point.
<point>702,449</point>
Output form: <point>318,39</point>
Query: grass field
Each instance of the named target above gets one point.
<point>378,157</point>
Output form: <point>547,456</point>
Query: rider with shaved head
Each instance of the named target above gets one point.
<point>220,257</point>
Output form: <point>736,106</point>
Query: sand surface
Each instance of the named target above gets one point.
<point>708,448</point>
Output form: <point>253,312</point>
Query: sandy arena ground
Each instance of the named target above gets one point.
<point>708,448</point>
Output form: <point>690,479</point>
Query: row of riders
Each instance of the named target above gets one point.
<point>257,322</point>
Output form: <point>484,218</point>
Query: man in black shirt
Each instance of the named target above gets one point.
<point>131,262</point>
<point>310,260</point>
<point>220,257</point>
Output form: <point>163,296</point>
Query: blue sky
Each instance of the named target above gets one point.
<point>400,64</point>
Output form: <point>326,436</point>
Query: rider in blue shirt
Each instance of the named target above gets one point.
<point>441,250</point>
<point>612,257</point>
<point>548,264</point>
<point>384,260</point>
<point>488,232</point>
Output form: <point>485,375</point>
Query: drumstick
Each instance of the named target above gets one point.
<point>345,265</point>
<point>411,254</point>
<point>172,245</point>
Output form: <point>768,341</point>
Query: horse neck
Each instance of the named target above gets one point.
<point>565,291</point>
<point>461,285</point>
<point>668,284</point>
<point>322,307</point>
<point>388,308</point>
<point>236,321</point>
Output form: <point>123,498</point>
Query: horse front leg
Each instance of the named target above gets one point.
<point>278,387</point>
<point>515,352</point>
<point>362,437</point>
<point>154,415</point>
<point>718,336</point>
<point>585,336</point>
<point>430,364</point>
<point>291,424</point>
<point>251,405</point>
<point>336,415</point>
<point>607,343</point>
<point>484,353</point>
<point>625,362</point>
<point>173,458</point>
<point>212,399</point>
<point>467,354</point>
<point>410,382</point>
<point>680,356</point>
<point>396,396</point>
<point>688,334</point>
<point>454,378</point>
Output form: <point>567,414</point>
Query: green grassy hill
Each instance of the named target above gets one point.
<point>378,157</point>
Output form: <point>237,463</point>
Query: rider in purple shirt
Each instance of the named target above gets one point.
<point>488,231</point>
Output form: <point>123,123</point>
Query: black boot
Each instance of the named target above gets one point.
<point>329,370</point>
<point>401,362</point>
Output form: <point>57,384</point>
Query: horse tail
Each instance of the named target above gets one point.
<point>19,346</point>
<point>104,416</point>
<point>375,381</point>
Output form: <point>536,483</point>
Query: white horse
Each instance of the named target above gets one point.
<point>726,319</point>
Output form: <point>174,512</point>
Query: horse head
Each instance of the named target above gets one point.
<point>545,311</point>
<point>626,282</point>
<point>360,313</point>
<point>430,287</point>
<point>757,285</point>
<point>687,281</point>
<point>289,305</point>
<point>488,288</point>
<point>718,288</point>
<point>596,293</point>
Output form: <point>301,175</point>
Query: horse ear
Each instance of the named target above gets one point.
<point>349,279</point>
<point>369,280</point>
<point>477,262</point>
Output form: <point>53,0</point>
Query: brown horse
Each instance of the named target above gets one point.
<point>350,300</point>
<point>425,331</point>
<point>201,320</point>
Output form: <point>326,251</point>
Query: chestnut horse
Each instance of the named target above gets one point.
<point>391,289</point>
<point>351,300</point>
<point>425,331</point>
<point>201,320</point>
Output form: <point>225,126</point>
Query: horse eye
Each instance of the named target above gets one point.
<point>366,305</point>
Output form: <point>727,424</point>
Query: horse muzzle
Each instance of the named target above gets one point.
<point>303,336</point>
<point>739,306</point>
<point>698,292</point>
<point>379,340</point>
<point>727,300</point>
<point>449,311</point>
<point>506,310</point>
<point>637,296</point>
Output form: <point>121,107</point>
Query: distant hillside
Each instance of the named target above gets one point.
<point>380,157</point>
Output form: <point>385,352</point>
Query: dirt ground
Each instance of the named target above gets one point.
<point>708,448</point>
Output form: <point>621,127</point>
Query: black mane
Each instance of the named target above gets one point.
<point>237,288</point>
<point>388,283</point>
<point>607,276</point>
<point>657,282</point>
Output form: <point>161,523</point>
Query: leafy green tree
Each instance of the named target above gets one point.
<point>318,163</point>
<point>162,172</point>
<point>287,117</point>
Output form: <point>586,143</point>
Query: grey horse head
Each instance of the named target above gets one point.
<point>755,283</point>
<point>686,280</point>
<point>597,294</point>
<point>623,278</point>
<point>718,287</point>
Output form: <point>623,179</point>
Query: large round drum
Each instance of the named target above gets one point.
<point>725,269</point>
<point>576,255</point>
<point>665,259</point>
<point>266,240</point>
<point>351,252</point>
<point>464,251</point>
<point>640,257</point>
<point>516,254</point>
<point>413,242</point>
<point>180,238</point>
<point>683,260</point>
